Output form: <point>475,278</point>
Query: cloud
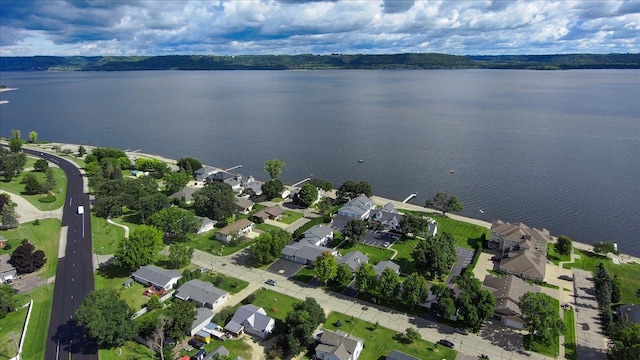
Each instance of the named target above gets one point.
<point>100,27</point>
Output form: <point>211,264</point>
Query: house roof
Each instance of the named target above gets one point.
<point>317,232</point>
<point>5,267</point>
<point>251,315</point>
<point>338,338</point>
<point>200,291</point>
<point>272,211</point>
<point>220,350</point>
<point>507,291</point>
<point>525,261</point>
<point>386,264</point>
<point>155,275</point>
<point>397,355</point>
<point>359,205</point>
<point>235,226</point>
<point>202,315</point>
<point>186,193</point>
<point>519,232</point>
<point>244,203</point>
<point>353,259</point>
<point>221,176</point>
<point>386,216</point>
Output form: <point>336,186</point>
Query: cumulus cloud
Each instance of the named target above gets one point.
<point>101,27</point>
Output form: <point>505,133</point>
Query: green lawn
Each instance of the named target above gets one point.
<point>464,234</point>
<point>208,243</point>
<point>16,187</point>
<point>230,284</point>
<point>236,347</point>
<point>266,227</point>
<point>10,332</point>
<point>570,336</point>
<point>554,257</point>
<point>628,274</point>
<point>131,350</point>
<point>111,277</point>
<point>36,337</point>
<point>275,304</point>
<point>45,236</point>
<point>405,247</point>
<point>305,275</point>
<point>105,237</point>
<point>375,254</point>
<point>291,216</point>
<point>552,349</point>
<point>379,341</point>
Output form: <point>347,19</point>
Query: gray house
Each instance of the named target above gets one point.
<point>203,317</point>
<point>358,208</point>
<point>387,264</point>
<point>252,320</point>
<point>7,271</point>
<point>397,355</point>
<point>155,276</point>
<point>353,259</point>
<point>203,294</point>
<point>319,235</point>
<point>202,173</point>
<point>339,345</point>
<point>304,252</point>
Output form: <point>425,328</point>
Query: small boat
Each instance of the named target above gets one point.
<point>360,161</point>
<point>481,211</point>
<point>452,171</point>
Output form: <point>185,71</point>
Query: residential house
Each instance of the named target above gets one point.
<point>244,205</point>
<point>630,313</point>
<point>154,276</point>
<point>235,230</point>
<point>339,345</point>
<point>353,259</point>
<point>397,355</point>
<point>508,290</point>
<point>304,252</point>
<point>202,173</point>
<point>357,208</point>
<point>252,188</point>
<point>199,355</point>
<point>203,317</point>
<point>220,351</point>
<point>386,264</point>
<point>251,319</point>
<point>201,293</point>
<point>206,224</point>
<point>235,181</point>
<point>388,217</point>
<point>525,263</point>
<point>271,213</point>
<point>185,194</point>
<point>318,235</point>
<point>509,237</point>
<point>7,271</point>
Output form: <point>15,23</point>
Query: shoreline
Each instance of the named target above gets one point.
<point>378,200</point>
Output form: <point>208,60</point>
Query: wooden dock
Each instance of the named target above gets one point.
<point>301,181</point>
<point>409,198</point>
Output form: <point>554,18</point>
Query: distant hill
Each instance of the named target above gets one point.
<point>310,62</point>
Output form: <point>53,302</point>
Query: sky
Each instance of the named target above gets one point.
<point>478,27</point>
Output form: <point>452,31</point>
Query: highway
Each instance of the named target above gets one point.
<point>74,276</point>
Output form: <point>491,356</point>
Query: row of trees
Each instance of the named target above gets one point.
<point>12,161</point>
<point>472,306</point>
<point>607,294</point>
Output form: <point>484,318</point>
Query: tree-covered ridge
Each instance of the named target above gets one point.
<point>311,62</point>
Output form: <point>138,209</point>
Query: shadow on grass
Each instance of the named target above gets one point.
<point>112,271</point>
<point>399,337</point>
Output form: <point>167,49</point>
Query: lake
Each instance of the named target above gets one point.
<point>554,149</point>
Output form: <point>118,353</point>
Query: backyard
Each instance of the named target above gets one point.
<point>226,283</point>
<point>45,236</point>
<point>552,349</point>
<point>375,254</point>
<point>105,236</point>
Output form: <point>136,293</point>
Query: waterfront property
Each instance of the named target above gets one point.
<point>357,208</point>
<point>508,290</point>
<point>525,263</point>
<point>387,217</point>
<point>508,237</point>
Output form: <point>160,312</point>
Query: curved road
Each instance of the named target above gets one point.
<point>74,276</point>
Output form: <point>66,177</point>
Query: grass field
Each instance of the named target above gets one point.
<point>131,350</point>
<point>554,257</point>
<point>45,236</point>
<point>230,284</point>
<point>404,247</point>
<point>379,341</point>
<point>628,274</point>
<point>291,216</point>
<point>276,305</point>
<point>374,254</point>
<point>570,336</point>
<point>10,332</point>
<point>111,277</point>
<point>105,237</point>
<point>61,184</point>
<point>208,243</point>
<point>305,275</point>
<point>35,341</point>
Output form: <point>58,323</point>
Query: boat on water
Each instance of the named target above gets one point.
<point>481,211</point>
<point>360,161</point>
<point>452,171</point>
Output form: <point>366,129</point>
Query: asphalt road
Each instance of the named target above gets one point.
<point>74,276</point>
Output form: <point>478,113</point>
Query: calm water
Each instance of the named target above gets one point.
<point>558,149</point>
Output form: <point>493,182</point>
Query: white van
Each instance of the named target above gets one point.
<point>80,210</point>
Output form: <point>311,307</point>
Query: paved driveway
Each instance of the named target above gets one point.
<point>284,268</point>
<point>591,341</point>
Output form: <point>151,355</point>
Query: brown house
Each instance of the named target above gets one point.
<point>508,290</point>
<point>271,213</point>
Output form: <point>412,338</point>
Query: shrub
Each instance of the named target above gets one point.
<point>47,199</point>
<point>249,299</point>
<point>7,246</point>
<point>218,281</point>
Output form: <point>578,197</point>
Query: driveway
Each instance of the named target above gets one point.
<point>284,268</point>
<point>589,337</point>
<point>379,238</point>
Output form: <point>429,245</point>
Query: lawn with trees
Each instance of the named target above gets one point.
<point>444,203</point>
<point>433,257</point>
<point>540,313</point>
<point>44,235</point>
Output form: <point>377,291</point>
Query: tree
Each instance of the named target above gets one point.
<point>308,195</point>
<point>416,225</point>
<point>474,304</point>
<point>81,151</point>
<point>16,134</point>
<point>626,343</point>
<point>150,204</point>
<point>8,301</point>
<point>41,165</point>
<point>324,206</point>
<point>301,323</point>
<point>350,189</point>
<point>106,318</point>
<point>323,185</point>
<point>444,203</point>
<point>174,182</point>
<point>389,284</point>
<point>415,290</point>
<point>139,249</point>
<point>446,307</point>
<point>8,214</point>
<point>215,201</point>
<point>15,145</point>
<point>180,255</point>
<point>181,315</point>
<point>267,246</point>
<point>273,168</point>
<point>26,259</point>
<point>355,229</point>
<point>31,184</point>
<point>541,318</point>
<point>33,137</point>
<point>326,267</point>
<point>604,248</point>
<point>366,279</point>
<point>563,245</point>
<point>176,223</point>
<point>272,188</point>
<point>411,334</point>
<point>603,295</point>
<point>344,275</point>
<point>434,256</point>
<point>616,296</point>
<point>189,165</point>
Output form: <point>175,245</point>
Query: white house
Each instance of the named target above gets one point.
<point>358,208</point>
<point>203,317</point>
<point>339,345</point>
<point>319,235</point>
<point>237,229</point>
<point>154,276</point>
<point>202,293</point>
<point>251,319</point>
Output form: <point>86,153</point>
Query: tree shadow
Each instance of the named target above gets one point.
<point>112,271</point>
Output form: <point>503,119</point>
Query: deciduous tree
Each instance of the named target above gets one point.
<point>26,259</point>
<point>272,188</point>
<point>180,255</point>
<point>273,168</point>
<point>602,247</point>
<point>541,318</point>
<point>301,323</point>
<point>215,201</point>
<point>267,246</point>
<point>31,184</point>
<point>321,184</point>
<point>139,249</point>
<point>389,284</point>
<point>415,290</point>
<point>33,137</point>
<point>355,229</point>
<point>366,279</point>
<point>351,189</point>
<point>180,317</point>
<point>308,195</point>
<point>326,267</point>
<point>106,318</point>
<point>41,165</point>
<point>626,343</point>
<point>444,203</point>
<point>8,301</point>
<point>189,165</point>
<point>175,223</point>
<point>563,245</point>
<point>176,181</point>
<point>344,275</point>
<point>434,256</point>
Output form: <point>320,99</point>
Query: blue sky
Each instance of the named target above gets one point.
<point>133,27</point>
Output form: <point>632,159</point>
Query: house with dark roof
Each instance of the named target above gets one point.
<point>237,229</point>
<point>388,217</point>
<point>339,345</point>
<point>630,313</point>
<point>525,263</point>
<point>201,293</point>
<point>397,355</point>
<point>7,271</point>
<point>353,259</point>
<point>507,291</point>
<point>154,276</point>
<point>244,205</point>
<point>233,180</point>
<point>203,317</point>
<point>251,319</point>
<point>271,213</point>
<point>202,173</point>
<point>508,237</point>
<point>220,351</point>
<point>185,194</point>
<point>318,235</point>
<point>379,267</point>
<point>357,208</point>
<point>304,252</point>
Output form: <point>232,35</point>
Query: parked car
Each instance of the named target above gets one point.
<point>196,343</point>
<point>461,331</point>
<point>387,244</point>
<point>565,277</point>
<point>446,343</point>
<point>271,282</point>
